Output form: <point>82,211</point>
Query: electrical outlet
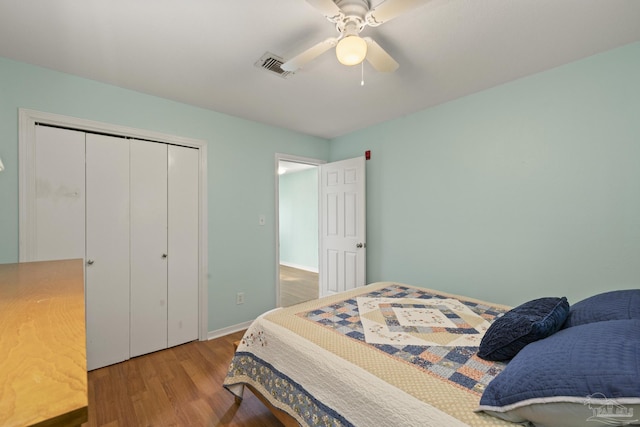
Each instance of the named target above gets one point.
<point>240,298</point>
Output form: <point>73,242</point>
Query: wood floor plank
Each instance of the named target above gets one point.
<point>180,386</point>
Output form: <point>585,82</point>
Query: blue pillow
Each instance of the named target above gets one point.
<point>614,305</point>
<point>522,325</point>
<point>580,370</point>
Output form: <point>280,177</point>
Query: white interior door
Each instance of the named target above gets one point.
<point>148,247</point>
<point>183,245</point>
<point>107,250</point>
<point>60,194</point>
<point>342,226</point>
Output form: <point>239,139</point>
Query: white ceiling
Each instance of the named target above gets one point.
<point>202,52</point>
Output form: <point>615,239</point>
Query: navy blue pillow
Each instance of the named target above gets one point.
<point>614,305</point>
<point>522,325</point>
<point>599,359</point>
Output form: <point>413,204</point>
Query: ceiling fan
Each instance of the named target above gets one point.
<point>351,17</point>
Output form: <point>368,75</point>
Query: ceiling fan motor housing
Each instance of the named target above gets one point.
<point>353,21</point>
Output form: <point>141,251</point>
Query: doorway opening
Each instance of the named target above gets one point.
<point>297,228</point>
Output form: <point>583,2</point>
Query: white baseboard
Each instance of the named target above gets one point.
<point>228,330</point>
<point>300,267</point>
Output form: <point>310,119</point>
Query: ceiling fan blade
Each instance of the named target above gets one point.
<point>327,7</point>
<point>389,9</point>
<point>379,58</point>
<point>308,55</point>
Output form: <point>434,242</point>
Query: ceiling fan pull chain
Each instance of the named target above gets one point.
<point>362,74</point>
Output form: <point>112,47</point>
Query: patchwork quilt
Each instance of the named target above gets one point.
<point>383,354</point>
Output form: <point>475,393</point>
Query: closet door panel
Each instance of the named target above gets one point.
<point>183,245</point>
<point>60,194</point>
<point>107,250</point>
<point>148,247</point>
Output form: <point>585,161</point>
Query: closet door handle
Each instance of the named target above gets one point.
<point>164,255</point>
<point>90,261</point>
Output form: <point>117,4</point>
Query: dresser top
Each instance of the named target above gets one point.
<point>43,374</point>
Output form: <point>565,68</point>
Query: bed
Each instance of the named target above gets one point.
<point>398,355</point>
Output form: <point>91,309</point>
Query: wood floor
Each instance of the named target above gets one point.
<point>297,285</point>
<point>180,386</point>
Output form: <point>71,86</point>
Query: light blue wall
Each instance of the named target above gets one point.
<point>298,193</point>
<point>531,188</point>
<point>241,181</point>
<point>528,189</point>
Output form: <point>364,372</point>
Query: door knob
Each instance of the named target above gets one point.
<point>164,255</point>
<point>361,245</point>
<point>90,261</point>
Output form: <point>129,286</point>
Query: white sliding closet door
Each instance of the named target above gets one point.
<point>133,209</point>
<point>148,247</point>
<point>107,250</point>
<point>60,194</point>
<point>183,244</point>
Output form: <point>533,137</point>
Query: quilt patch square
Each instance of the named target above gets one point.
<point>415,316</point>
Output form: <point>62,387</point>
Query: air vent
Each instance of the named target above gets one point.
<point>272,63</point>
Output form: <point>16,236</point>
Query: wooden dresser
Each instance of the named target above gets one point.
<point>43,367</point>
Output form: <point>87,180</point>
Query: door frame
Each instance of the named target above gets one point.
<point>27,120</point>
<point>294,159</point>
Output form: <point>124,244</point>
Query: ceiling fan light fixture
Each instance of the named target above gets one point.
<point>351,50</point>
